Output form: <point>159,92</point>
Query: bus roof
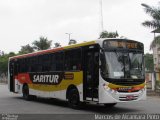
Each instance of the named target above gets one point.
<point>66,47</point>
<point>53,50</point>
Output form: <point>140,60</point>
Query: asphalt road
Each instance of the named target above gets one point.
<point>11,103</point>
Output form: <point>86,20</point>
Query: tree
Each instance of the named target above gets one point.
<point>106,34</point>
<point>26,49</point>
<point>57,45</point>
<point>42,44</point>
<point>72,41</point>
<point>155,14</point>
<point>148,58</point>
<point>11,54</point>
<point>4,62</point>
<point>154,23</point>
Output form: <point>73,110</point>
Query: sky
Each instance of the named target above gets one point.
<point>23,21</point>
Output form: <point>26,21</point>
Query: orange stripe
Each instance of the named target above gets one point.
<point>37,53</point>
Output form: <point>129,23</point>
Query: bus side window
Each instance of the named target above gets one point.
<point>89,69</point>
<point>68,58</point>
<point>59,61</point>
<point>96,64</point>
<point>73,59</point>
<point>46,63</point>
<point>53,64</point>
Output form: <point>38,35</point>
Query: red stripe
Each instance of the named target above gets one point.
<point>24,78</point>
<point>37,53</point>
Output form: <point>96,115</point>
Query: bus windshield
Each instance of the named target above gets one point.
<point>119,65</point>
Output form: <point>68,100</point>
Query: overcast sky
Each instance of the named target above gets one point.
<point>23,21</point>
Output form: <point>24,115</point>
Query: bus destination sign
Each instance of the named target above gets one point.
<point>122,44</point>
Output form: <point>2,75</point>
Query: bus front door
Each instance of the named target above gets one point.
<point>91,74</point>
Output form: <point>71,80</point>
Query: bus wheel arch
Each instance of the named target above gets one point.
<point>25,91</point>
<point>72,95</point>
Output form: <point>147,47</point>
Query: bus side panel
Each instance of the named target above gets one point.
<point>52,91</point>
<point>61,94</point>
<point>57,91</point>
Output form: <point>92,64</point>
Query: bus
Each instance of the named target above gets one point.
<point>104,71</point>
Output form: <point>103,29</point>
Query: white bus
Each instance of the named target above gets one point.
<point>104,71</point>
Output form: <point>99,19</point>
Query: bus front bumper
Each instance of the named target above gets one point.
<point>111,96</point>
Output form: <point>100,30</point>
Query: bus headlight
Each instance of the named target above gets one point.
<point>108,89</point>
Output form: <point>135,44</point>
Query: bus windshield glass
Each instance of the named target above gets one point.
<point>123,65</point>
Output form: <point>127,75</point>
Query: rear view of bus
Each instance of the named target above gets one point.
<point>121,71</point>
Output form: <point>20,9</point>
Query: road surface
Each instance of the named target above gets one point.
<point>11,103</point>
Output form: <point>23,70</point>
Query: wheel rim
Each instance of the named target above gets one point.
<point>74,100</point>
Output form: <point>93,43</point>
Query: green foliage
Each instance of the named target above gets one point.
<point>4,62</point>
<point>106,34</point>
<point>42,44</point>
<point>26,49</point>
<point>11,54</point>
<point>148,59</point>
<point>155,15</point>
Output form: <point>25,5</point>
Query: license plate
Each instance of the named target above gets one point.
<point>129,97</point>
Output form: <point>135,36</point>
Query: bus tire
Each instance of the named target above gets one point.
<point>110,105</point>
<point>73,99</point>
<point>25,92</point>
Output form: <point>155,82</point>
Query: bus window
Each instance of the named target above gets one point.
<point>58,63</point>
<point>46,63</point>
<point>53,63</point>
<point>104,66</point>
<point>73,60</point>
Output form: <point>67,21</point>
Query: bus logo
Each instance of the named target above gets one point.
<point>52,78</point>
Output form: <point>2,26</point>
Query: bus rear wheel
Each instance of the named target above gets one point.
<point>73,99</point>
<point>25,92</point>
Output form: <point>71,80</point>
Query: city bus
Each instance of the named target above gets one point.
<point>104,71</point>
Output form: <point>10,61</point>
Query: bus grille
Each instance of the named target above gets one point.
<point>128,98</point>
<point>125,91</point>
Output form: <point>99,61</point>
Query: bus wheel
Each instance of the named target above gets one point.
<point>73,99</point>
<point>109,105</point>
<point>25,92</point>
